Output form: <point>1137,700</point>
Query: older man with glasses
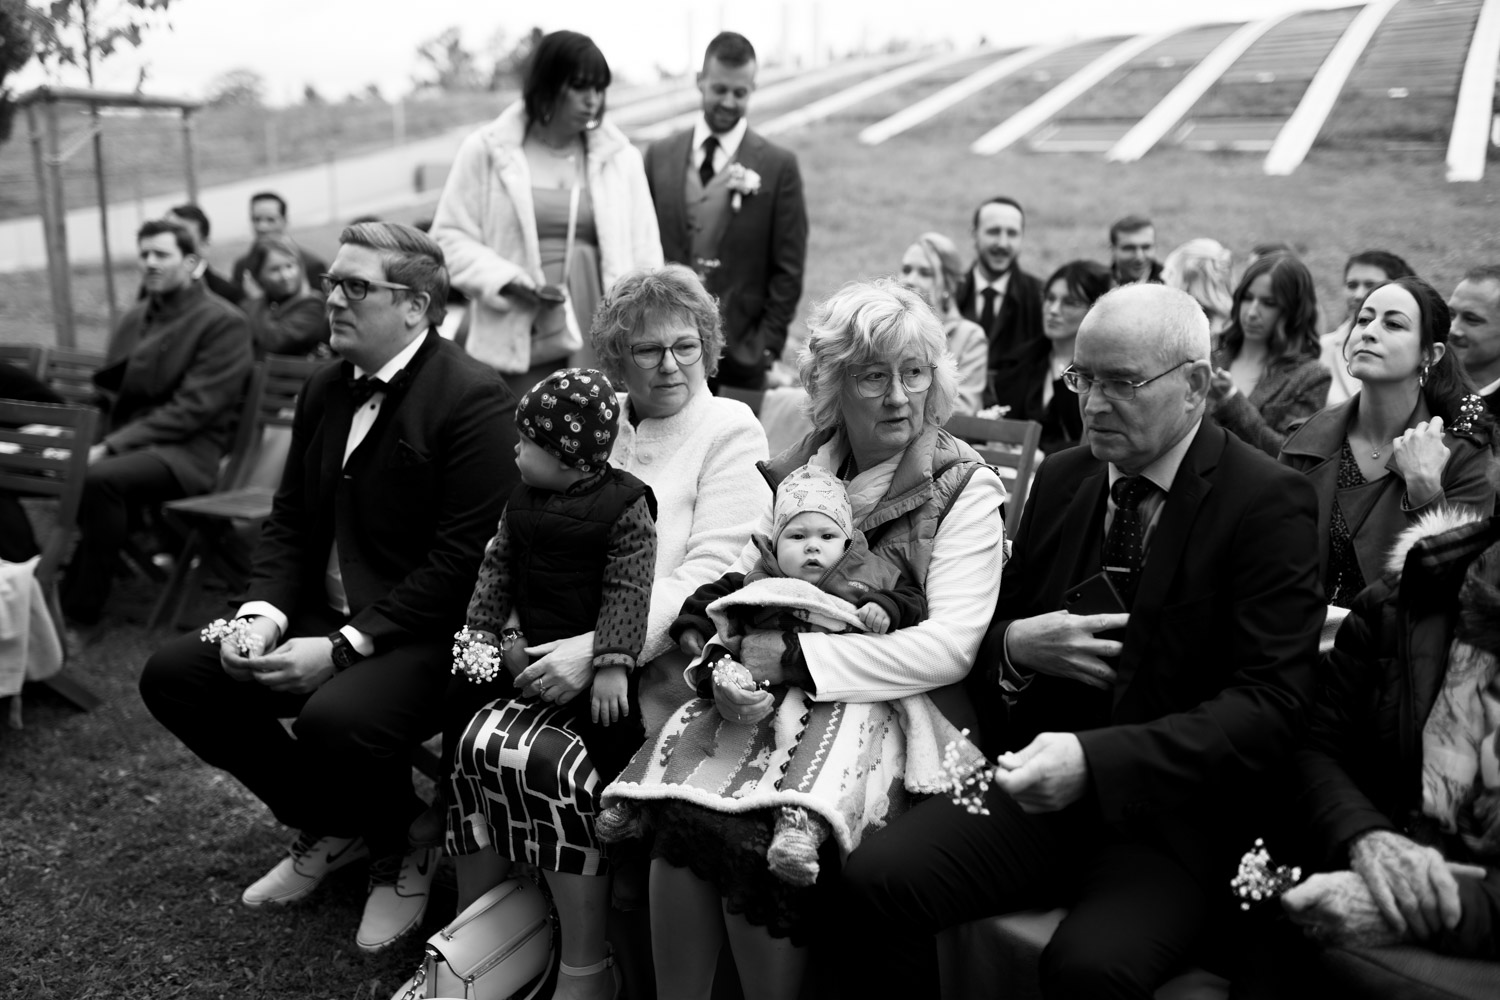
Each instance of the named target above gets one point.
<point>1150,656</point>
<point>400,463</point>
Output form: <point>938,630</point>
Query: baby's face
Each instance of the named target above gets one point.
<point>809,544</point>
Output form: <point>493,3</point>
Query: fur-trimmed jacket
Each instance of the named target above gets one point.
<point>1360,767</point>
<point>486,224</point>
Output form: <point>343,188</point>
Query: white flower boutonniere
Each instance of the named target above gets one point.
<point>743,182</point>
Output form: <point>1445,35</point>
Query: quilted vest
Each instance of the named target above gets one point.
<point>559,545</point>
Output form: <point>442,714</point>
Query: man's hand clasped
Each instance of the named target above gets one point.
<point>1048,774</point>
<point>297,666</point>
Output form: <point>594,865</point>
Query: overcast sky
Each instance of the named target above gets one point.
<point>342,46</point>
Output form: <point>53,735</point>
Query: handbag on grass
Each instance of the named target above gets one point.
<point>555,333</point>
<point>500,948</point>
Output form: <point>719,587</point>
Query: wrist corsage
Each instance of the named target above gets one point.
<point>967,784</point>
<point>1258,879</point>
<point>237,631</point>
<point>743,182</point>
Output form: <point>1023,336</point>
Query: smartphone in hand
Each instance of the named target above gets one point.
<point>523,293</point>
<point>1096,596</point>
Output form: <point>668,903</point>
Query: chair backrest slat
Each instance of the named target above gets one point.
<point>270,402</point>
<point>1020,437</point>
<point>48,465</point>
<point>28,357</point>
<point>71,375</point>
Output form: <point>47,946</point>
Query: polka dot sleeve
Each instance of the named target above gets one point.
<point>620,631</point>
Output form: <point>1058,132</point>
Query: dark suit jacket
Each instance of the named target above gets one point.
<point>1217,669</point>
<point>1018,321</point>
<point>1017,382</point>
<point>761,253</point>
<point>411,510</point>
<point>174,373</point>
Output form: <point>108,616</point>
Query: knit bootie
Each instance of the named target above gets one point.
<point>793,854</point>
<point>621,821</point>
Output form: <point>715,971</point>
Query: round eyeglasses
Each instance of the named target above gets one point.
<point>1113,388</point>
<point>649,356</point>
<point>355,289</point>
<point>914,378</point>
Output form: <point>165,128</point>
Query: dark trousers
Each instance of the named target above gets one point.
<point>1135,913</point>
<point>17,540</point>
<point>112,488</point>
<point>348,771</point>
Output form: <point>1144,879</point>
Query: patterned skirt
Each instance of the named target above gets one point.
<point>524,783</point>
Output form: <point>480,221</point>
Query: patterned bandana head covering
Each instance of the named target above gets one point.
<point>811,488</point>
<point>572,415</point>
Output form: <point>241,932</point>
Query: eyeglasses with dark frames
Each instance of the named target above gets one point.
<point>1113,388</point>
<point>650,356</point>
<point>355,289</point>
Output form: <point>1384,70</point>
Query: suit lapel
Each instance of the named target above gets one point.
<point>338,413</point>
<point>676,161</point>
<point>1081,523</point>
<point>749,156</point>
<point>1168,543</point>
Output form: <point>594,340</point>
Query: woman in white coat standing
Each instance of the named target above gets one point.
<point>550,165</point>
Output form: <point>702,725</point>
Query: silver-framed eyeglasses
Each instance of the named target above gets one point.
<point>355,289</point>
<point>649,356</point>
<point>874,384</point>
<point>1113,388</point>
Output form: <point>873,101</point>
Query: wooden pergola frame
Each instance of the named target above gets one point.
<point>42,122</point>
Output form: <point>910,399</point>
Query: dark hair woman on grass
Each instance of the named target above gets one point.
<point>1267,377</point>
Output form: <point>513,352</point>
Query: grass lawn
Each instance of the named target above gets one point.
<point>122,857</point>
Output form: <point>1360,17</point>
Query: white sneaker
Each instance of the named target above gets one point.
<point>399,887</point>
<point>297,874</point>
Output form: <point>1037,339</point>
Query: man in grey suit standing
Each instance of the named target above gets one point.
<point>729,205</point>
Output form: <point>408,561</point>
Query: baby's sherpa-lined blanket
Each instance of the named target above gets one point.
<point>854,764</point>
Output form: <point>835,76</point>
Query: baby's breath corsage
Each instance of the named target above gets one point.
<point>1258,879</point>
<point>475,656</point>
<point>237,631</point>
<point>743,182</point>
<point>967,784</point>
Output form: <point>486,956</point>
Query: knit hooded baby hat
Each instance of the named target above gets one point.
<point>814,488</point>
<point>571,414</point>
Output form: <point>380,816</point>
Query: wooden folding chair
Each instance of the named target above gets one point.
<point>246,488</point>
<point>71,375</point>
<point>38,464</point>
<point>1007,444</point>
<point>27,357</point>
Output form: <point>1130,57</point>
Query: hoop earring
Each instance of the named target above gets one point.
<point>1422,378</point>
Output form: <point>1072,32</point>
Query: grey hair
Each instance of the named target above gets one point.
<point>653,294</point>
<point>869,321</point>
<point>1172,322</point>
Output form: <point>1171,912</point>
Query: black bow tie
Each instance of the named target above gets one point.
<point>362,388</point>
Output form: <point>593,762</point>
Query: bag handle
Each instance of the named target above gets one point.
<point>573,199</point>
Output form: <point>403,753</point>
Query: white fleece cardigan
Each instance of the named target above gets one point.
<point>486,225</point>
<point>701,464</point>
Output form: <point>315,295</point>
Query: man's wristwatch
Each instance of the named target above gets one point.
<point>344,653</point>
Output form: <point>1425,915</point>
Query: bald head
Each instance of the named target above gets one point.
<point>1149,343</point>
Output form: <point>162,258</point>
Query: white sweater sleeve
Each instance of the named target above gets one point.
<point>963,581</point>
<point>731,495</point>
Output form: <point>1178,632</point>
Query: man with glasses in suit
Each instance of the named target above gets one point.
<point>1150,659</point>
<point>401,460</point>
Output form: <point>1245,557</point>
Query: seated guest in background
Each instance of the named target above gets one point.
<point>1272,249</point>
<point>268,218</point>
<point>1399,775</point>
<point>1132,241</point>
<point>1267,377</point>
<point>1475,335</point>
<point>1133,738</point>
<point>1202,268</point>
<point>931,267</point>
<point>289,317</point>
<point>1362,273</point>
<point>192,218</point>
<point>17,540</point>
<point>400,464</point>
<point>1413,439</point>
<point>1004,300</point>
<point>174,371</point>
<point>1030,381</point>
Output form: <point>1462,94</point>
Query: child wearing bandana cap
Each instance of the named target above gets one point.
<point>575,552</point>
